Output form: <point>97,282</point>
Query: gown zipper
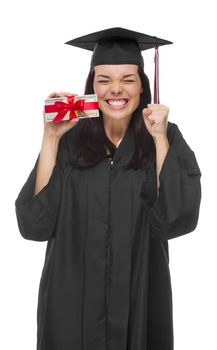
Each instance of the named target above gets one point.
<point>108,246</point>
<point>108,253</point>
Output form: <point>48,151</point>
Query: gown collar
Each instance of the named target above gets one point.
<point>126,148</point>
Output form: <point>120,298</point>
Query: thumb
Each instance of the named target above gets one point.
<point>146,112</point>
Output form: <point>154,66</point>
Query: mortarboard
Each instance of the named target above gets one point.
<point>121,46</point>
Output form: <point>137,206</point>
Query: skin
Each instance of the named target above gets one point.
<point>49,146</point>
<point>155,118</point>
<point>118,82</point>
<point>111,82</point>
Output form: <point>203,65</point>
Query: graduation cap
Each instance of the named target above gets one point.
<point>121,46</point>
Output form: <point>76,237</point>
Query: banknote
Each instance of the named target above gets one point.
<point>52,110</point>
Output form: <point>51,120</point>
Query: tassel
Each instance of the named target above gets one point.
<point>156,76</point>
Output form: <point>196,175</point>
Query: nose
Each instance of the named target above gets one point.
<point>116,88</point>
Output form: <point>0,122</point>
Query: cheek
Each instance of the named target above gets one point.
<point>136,99</point>
<point>99,91</point>
<point>136,95</point>
<point>134,90</point>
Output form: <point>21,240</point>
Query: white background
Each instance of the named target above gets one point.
<point>34,63</point>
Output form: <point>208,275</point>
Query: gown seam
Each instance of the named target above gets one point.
<point>107,267</point>
<point>83,302</point>
<point>131,257</point>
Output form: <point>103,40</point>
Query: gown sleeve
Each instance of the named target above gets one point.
<point>36,215</point>
<point>173,210</point>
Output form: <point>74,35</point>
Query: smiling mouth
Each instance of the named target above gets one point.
<point>117,103</point>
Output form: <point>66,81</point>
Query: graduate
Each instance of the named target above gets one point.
<point>107,194</point>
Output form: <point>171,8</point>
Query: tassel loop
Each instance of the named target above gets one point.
<point>156,76</point>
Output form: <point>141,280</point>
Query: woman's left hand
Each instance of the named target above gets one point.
<point>155,119</point>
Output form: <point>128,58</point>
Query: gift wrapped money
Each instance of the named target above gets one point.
<point>68,107</point>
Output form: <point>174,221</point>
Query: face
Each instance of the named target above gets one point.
<point>118,88</point>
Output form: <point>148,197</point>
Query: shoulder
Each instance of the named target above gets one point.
<point>173,132</point>
<point>176,138</point>
<point>181,148</point>
<point>171,129</point>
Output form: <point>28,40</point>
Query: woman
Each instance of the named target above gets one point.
<point>107,194</point>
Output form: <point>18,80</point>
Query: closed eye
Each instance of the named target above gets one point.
<point>103,81</point>
<point>129,81</point>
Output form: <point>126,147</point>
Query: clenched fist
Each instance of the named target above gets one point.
<point>155,119</point>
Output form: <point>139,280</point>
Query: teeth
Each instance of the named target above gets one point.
<point>117,102</point>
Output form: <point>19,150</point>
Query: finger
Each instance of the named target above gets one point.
<point>62,93</point>
<point>155,120</point>
<point>146,112</point>
<point>158,107</point>
<point>151,120</point>
<point>53,94</point>
<point>74,120</point>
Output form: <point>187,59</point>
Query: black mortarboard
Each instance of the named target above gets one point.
<point>121,46</point>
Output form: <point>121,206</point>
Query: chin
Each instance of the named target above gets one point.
<point>117,115</point>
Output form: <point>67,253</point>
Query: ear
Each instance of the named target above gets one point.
<point>141,91</point>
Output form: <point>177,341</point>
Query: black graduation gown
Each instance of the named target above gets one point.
<point>105,283</point>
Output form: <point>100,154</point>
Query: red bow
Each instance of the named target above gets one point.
<point>62,108</point>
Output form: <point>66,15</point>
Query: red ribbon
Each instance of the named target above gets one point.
<point>62,108</point>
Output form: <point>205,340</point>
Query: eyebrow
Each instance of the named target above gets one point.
<point>106,76</point>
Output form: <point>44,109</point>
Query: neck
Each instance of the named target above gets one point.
<point>115,129</point>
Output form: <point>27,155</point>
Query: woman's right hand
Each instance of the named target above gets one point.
<point>59,129</point>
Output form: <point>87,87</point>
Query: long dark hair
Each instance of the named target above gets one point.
<point>93,139</point>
